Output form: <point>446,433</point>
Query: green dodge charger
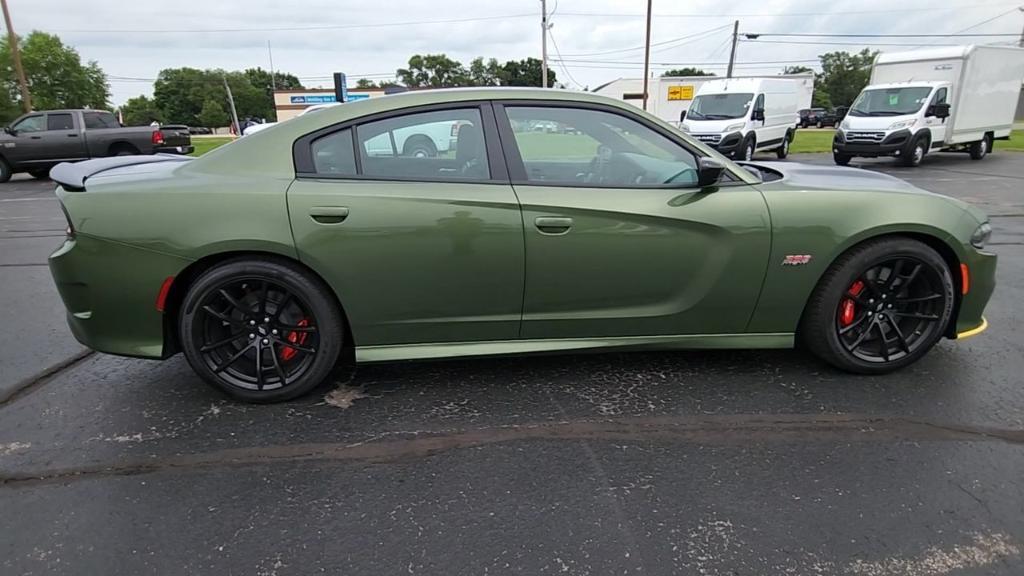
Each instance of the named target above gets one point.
<point>497,221</point>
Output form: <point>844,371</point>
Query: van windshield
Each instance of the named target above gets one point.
<point>890,101</point>
<point>719,106</point>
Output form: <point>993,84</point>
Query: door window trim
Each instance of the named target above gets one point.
<point>517,169</point>
<point>305,168</point>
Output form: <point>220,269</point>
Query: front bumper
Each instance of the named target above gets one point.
<point>728,145</point>
<point>981,268</point>
<point>892,145</point>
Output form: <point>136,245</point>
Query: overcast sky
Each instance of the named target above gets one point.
<point>134,39</point>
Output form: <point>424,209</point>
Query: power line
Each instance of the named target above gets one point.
<point>838,43</point>
<point>690,37</point>
<point>559,59</point>
<point>781,14</point>
<point>804,61</point>
<point>824,35</point>
<point>983,22</point>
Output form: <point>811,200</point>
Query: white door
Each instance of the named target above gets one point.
<point>937,126</point>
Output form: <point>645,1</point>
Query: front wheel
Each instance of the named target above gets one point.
<point>880,307</point>
<point>39,174</point>
<point>841,159</point>
<point>915,154</point>
<point>747,153</point>
<point>782,151</point>
<point>261,330</point>
<point>5,171</point>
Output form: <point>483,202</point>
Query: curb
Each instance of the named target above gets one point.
<point>25,385</point>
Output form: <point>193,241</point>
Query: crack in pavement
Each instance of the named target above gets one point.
<point>740,429</point>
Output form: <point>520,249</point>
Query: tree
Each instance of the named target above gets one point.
<point>213,115</point>
<point>485,73</point>
<point>140,111</point>
<point>181,93</point>
<point>526,72</point>
<point>433,71</point>
<point>365,84</point>
<point>55,73</point>
<point>843,75</point>
<point>686,72</point>
<point>796,70</point>
<point>260,78</point>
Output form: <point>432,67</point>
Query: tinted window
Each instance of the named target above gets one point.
<point>98,120</point>
<point>31,124</point>
<point>59,122</point>
<point>579,146</point>
<point>940,96</point>
<point>440,145</point>
<point>333,154</point>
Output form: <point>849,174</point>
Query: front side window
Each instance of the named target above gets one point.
<point>31,124</point>
<point>592,147</point>
<point>720,106</point>
<point>438,145</point>
<point>59,122</point>
<point>940,96</point>
<point>890,101</point>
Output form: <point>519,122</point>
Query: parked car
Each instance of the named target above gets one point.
<point>177,139</point>
<point>199,130</point>
<point>831,117</point>
<point>263,262</point>
<point>960,98</point>
<point>37,141</point>
<point>809,117</point>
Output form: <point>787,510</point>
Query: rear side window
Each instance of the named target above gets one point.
<point>59,122</point>
<point>96,120</point>
<point>438,145</point>
<point>333,154</point>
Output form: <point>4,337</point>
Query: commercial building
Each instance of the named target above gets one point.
<point>288,103</point>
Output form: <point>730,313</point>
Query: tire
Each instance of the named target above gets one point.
<point>40,174</point>
<point>820,124</point>
<point>309,325</point>
<point>981,148</point>
<point>841,159</point>
<point>419,146</point>
<point>122,150</point>
<point>5,171</point>
<point>782,151</point>
<point>913,156</point>
<point>852,328</point>
<point>747,151</point>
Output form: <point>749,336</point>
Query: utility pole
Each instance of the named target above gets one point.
<point>273,82</point>
<point>12,40</point>
<point>234,114</point>
<point>647,52</point>
<point>732,54</point>
<point>544,43</point>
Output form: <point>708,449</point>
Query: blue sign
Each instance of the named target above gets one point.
<point>324,98</point>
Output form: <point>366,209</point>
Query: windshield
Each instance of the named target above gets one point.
<point>719,106</point>
<point>890,101</point>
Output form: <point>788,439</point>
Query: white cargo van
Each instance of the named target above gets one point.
<point>739,116</point>
<point>955,98</point>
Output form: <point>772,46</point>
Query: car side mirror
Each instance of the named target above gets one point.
<point>939,110</point>
<point>709,171</point>
<point>682,115</point>
<point>758,114</point>
<point>10,131</point>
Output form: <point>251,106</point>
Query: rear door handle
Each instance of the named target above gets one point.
<point>553,224</point>
<point>329,214</point>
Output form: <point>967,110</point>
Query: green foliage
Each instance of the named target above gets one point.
<point>213,115</point>
<point>796,70</point>
<point>140,111</point>
<point>843,75</point>
<point>181,93</point>
<point>686,72</point>
<point>367,84</point>
<point>55,73</point>
<point>440,71</point>
<point>260,78</point>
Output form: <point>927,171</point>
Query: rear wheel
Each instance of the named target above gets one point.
<point>419,146</point>
<point>880,307</point>
<point>821,124</point>
<point>981,148</point>
<point>40,174</point>
<point>261,331</point>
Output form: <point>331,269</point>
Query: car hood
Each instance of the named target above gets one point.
<point>875,123</point>
<point>813,176</point>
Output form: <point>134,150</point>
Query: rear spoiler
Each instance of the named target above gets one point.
<point>72,175</point>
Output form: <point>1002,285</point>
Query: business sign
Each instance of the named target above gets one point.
<point>680,92</point>
<point>324,98</point>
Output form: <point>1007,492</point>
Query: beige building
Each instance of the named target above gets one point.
<point>289,103</point>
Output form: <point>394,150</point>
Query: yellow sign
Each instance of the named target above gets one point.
<point>680,92</point>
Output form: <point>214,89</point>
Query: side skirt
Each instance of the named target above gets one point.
<point>391,353</point>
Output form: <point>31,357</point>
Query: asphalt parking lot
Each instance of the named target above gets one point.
<point>718,463</point>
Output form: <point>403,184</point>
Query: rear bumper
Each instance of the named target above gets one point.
<point>186,149</point>
<point>893,143</point>
<point>109,290</point>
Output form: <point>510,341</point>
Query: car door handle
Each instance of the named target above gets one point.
<point>329,214</point>
<point>72,135</point>
<point>36,137</point>
<point>553,224</point>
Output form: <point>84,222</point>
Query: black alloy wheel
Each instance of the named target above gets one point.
<point>261,332</point>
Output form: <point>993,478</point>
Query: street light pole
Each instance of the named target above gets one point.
<point>270,54</point>
<point>12,40</point>
<point>544,43</point>
<point>647,52</point>
<point>732,53</point>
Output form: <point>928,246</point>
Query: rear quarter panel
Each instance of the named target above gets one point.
<point>826,223</point>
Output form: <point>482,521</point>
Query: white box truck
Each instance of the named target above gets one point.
<point>955,98</point>
<point>739,116</point>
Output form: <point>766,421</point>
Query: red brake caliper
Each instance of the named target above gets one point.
<point>848,308</point>
<point>295,338</point>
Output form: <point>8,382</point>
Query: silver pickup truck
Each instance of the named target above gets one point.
<point>37,141</point>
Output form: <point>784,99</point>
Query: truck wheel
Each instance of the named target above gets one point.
<point>40,174</point>
<point>980,149</point>
<point>419,146</point>
<point>783,151</point>
<point>747,152</point>
<point>912,156</point>
<point>5,171</point>
<point>841,159</point>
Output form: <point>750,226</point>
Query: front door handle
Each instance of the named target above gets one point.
<point>328,214</point>
<point>553,224</point>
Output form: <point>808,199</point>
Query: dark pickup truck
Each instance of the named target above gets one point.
<point>37,141</point>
